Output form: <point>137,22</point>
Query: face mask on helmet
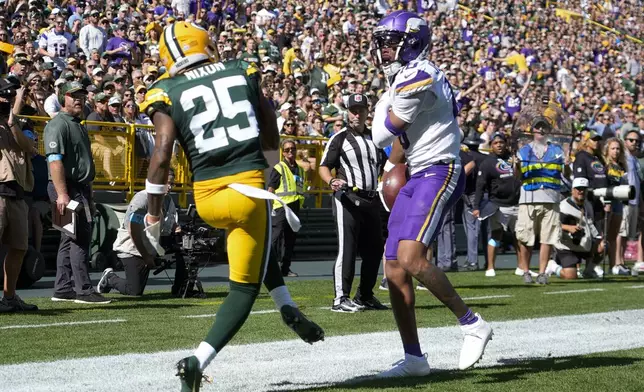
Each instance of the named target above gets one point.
<point>394,49</point>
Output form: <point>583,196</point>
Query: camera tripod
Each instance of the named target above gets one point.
<point>191,286</point>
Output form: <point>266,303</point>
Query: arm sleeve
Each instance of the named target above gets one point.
<point>331,155</point>
<point>274,179</point>
<point>481,184</point>
<point>137,209</point>
<point>381,136</point>
<point>54,141</point>
<point>580,167</point>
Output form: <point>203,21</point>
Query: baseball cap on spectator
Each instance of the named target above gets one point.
<point>21,56</point>
<point>30,134</point>
<point>91,88</point>
<point>285,106</point>
<point>67,75</point>
<point>153,68</point>
<point>98,70</point>
<point>59,81</point>
<point>72,87</point>
<point>139,88</point>
<point>580,182</point>
<point>315,91</point>
<point>47,65</point>
<point>298,75</point>
<point>71,60</point>
<point>101,97</point>
<point>124,8</point>
<point>114,101</point>
<point>119,79</point>
<point>115,64</point>
<point>355,100</point>
<point>95,13</point>
<point>269,68</point>
<point>500,135</point>
<point>319,56</point>
<point>108,84</point>
<point>592,135</point>
<point>32,76</point>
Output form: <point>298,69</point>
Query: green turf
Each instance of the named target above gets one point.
<point>154,322</point>
<point>610,371</point>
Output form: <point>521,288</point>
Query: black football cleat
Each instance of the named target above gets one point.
<point>306,329</point>
<point>188,372</point>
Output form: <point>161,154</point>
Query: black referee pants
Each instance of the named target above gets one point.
<point>359,232</point>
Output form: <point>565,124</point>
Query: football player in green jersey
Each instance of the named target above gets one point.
<point>215,110</point>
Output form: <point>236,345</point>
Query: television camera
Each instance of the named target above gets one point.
<point>200,245</point>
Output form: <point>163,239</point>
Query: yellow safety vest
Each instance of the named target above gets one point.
<point>291,189</point>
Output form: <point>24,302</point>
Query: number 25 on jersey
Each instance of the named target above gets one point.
<point>218,102</point>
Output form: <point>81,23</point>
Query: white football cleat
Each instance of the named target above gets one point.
<point>490,273</point>
<point>411,366</point>
<point>477,336</point>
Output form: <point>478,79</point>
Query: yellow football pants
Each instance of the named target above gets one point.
<point>246,220</point>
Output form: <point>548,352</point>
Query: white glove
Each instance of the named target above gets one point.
<point>153,233</point>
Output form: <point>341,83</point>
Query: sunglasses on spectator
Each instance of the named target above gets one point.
<point>289,124</point>
<point>129,106</point>
<point>633,140</point>
<point>290,149</point>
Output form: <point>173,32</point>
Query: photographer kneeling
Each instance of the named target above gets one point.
<point>580,239</point>
<point>131,237</point>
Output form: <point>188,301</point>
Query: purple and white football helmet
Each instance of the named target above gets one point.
<point>407,34</point>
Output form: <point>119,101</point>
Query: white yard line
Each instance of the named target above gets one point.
<point>295,365</point>
<point>572,291</point>
<point>214,314</point>
<point>71,323</point>
<point>487,297</point>
<point>641,286</point>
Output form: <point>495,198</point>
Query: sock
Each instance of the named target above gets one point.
<point>204,353</point>
<point>413,349</point>
<point>273,278</point>
<point>558,271</point>
<point>469,318</point>
<point>232,314</point>
<point>282,297</point>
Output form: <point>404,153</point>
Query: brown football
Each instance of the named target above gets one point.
<point>392,182</point>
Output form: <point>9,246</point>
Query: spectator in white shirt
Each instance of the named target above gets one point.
<point>92,36</point>
<point>52,106</point>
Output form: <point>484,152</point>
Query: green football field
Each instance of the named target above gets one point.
<point>521,356</point>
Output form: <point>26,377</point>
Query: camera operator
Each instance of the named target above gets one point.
<point>15,178</point>
<point>130,239</point>
<point>580,239</point>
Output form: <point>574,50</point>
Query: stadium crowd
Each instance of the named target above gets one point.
<point>499,56</point>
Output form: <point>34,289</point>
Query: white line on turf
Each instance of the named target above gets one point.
<point>214,314</point>
<point>573,291</point>
<point>71,323</point>
<point>641,286</point>
<point>487,297</point>
<point>292,364</point>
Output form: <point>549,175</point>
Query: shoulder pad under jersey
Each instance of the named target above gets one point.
<point>414,78</point>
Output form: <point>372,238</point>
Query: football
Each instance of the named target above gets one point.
<point>392,182</point>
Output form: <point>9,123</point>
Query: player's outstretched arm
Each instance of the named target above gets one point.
<point>269,134</point>
<point>160,161</point>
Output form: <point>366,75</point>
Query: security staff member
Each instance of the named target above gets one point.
<point>356,207</point>
<point>287,182</point>
<point>471,159</point>
<point>71,170</point>
<point>496,177</point>
<point>130,246</point>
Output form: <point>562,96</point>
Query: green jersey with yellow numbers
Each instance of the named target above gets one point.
<point>214,108</point>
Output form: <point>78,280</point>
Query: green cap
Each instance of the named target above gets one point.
<point>100,97</point>
<point>72,87</point>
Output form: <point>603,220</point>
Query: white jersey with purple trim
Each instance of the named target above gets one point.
<point>421,96</point>
<point>62,45</point>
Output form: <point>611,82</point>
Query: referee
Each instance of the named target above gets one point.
<point>356,207</point>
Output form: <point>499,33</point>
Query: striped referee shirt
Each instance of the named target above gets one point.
<point>355,157</point>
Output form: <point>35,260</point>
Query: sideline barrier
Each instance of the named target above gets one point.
<point>121,162</point>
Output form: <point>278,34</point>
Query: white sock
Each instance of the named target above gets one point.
<point>205,353</point>
<point>282,297</point>
<point>558,271</point>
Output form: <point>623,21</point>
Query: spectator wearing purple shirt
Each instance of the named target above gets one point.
<point>119,47</point>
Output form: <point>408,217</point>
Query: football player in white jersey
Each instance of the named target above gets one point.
<point>419,113</point>
<point>57,44</point>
